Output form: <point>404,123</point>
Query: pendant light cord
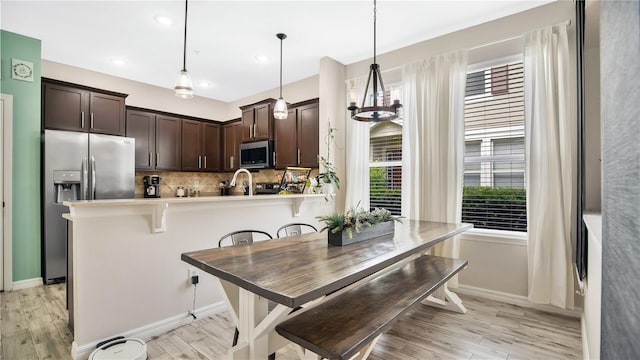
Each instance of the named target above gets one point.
<point>374,31</point>
<point>184,49</point>
<point>281,68</point>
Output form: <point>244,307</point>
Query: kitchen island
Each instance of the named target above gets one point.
<point>126,277</point>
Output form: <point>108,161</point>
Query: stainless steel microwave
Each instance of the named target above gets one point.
<point>257,155</point>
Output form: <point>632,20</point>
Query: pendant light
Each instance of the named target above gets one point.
<point>184,86</point>
<point>280,111</point>
<point>374,113</point>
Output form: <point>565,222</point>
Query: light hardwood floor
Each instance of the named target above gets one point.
<point>33,326</point>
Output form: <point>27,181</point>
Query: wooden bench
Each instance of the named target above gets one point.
<point>340,327</point>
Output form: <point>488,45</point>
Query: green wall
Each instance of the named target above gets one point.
<point>26,153</point>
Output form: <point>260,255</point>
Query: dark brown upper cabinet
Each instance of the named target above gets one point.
<point>158,140</point>
<point>296,137</point>
<point>77,108</point>
<point>307,131</point>
<point>257,121</point>
<point>142,127</point>
<point>200,146</point>
<point>232,135</point>
<point>168,143</point>
<point>285,140</point>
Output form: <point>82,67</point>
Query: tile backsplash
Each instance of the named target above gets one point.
<point>206,183</point>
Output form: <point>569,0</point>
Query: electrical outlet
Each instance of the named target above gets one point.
<point>192,272</point>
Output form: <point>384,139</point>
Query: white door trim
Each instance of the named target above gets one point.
<point>7,162</point>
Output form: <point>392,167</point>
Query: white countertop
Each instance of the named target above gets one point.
<point>157,207</point>
<point>185,200</point>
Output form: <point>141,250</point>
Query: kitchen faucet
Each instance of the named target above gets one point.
<point>235,175</point>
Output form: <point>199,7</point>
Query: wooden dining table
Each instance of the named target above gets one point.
<point>301,271</point>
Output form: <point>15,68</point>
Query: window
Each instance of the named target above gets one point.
<point>385,160</point>
<point>494,165</point>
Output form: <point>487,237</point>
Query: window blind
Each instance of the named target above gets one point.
<point>385,158</point>
<point>385,167</point>
<point>494,166</point>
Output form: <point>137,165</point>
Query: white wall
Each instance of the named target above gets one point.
<point>158,98</point>
<point>497,30</point>
<point>496,263</point>
<point>333,112</point>
<point>140,94</point>
<point>297,91</point>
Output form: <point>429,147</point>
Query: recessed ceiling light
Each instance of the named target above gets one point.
<point>119,62</point>
<point>263,59</point>
<point>163,20</point>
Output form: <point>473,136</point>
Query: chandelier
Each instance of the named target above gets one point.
<point>374,113</point>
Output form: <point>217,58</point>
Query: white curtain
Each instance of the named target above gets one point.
<point>357,184</point>
<point>433,142</point>
<point>550,157</point>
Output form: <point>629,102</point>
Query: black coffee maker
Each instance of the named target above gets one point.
<point>151,186</point>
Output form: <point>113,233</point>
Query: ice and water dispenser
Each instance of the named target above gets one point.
<point>66,185</point>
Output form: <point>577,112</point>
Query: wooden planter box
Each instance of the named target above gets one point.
<point>367,233</point>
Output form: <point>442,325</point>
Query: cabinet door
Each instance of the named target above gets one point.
<point>247,125</point>
<point>232,139</point>
<point>191,145</point>
<point>141,126</point>
<point>65,108</point>
<point>263,120</point>
<point>285,140</point>
<point>308,122</point>
<point>107,114</point>
<point>211,147</point>
<point>168,143</point>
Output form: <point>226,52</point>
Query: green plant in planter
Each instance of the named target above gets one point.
<point>329,175</point>
<point>356,219</point>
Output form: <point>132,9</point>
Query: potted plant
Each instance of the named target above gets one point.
<point>366,225</point>
<point>328,178</point>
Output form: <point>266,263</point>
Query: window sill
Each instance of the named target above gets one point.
<point>496,236</point>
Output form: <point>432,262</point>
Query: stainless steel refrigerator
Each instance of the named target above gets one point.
<point>79,166</point>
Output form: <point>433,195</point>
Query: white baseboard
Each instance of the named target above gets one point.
<point>25,284</point>
<point>148,331</point>
<point>513,299</point>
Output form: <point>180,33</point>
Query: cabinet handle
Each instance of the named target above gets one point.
<point>254,130</point>
<point>251,131</point>
<point>92,120</point>
<point>231,162</point>
<point>205,161</point>
<point>274,158</point>
<point>157,158</point>
<point>82,119</point>
<point>298,156</point>
<point>150,155</point>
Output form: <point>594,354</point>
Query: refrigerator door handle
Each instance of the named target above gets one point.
<point>93,178</point>
<point>84,181</point>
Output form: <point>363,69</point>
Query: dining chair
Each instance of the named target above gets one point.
<point>239,238</point>
<point>294,229</point>
<point>242,237</point>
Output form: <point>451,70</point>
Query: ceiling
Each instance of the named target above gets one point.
<point>225,38</point>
